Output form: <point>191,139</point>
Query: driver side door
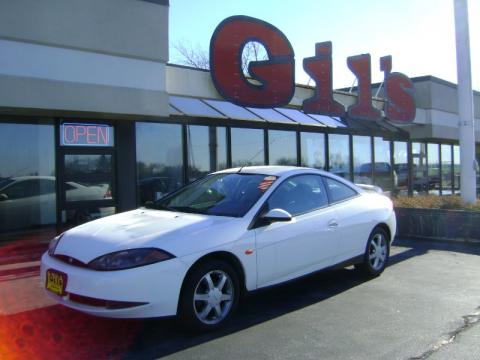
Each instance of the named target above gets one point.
<point>286,250</point>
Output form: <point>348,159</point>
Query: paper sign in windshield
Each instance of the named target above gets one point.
<point>266,183</point>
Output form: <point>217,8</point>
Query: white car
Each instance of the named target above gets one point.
<point>194,252</point>
<point>30,201</point>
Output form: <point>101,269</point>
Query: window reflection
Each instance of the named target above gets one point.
<point>477,154</point>
<point>383,168</point>
<point>339,155</point>
<point>433,169</point>
<point>420,176</point>
<point>446,151</point>
<point>88,177</point>
<point>159,159</point>
<point>282,147</point>
<point>27,176</point>
<point>362,160</point>
<point>400,161</point>
<point>313,149</point>
<point>247,147</point>
<point>207,150</point>
<point>456,169</point>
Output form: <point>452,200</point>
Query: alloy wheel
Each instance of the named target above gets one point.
<point>377,254</point>
<point>213,297</point>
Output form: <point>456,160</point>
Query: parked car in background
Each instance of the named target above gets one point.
<point>383,175</point>
<point>30,201</point>
<point>195,251</point>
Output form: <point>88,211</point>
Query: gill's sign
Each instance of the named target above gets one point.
<point>275,77</point>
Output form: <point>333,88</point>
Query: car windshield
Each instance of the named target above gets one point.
<point>230,194</point>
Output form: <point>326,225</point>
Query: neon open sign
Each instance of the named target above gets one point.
<point>75,134</point>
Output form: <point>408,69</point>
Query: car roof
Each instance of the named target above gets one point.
<point>30,177</point>
<point>285,171</point>
<point>271,170</point>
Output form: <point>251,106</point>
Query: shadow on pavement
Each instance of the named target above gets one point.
<point>418,247</point>
<point>55,332</point>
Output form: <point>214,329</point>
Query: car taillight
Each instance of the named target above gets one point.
<point>108,194</point>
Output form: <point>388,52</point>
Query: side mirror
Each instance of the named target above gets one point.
<point>274,215</point>
<point>3,197</point>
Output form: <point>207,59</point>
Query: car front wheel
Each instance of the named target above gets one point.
<point>376,253</point>
<point>210,296</point>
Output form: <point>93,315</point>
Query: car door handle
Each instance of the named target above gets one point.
<point>332,224</point>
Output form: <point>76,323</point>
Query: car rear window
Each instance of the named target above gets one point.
<point>339,191</point>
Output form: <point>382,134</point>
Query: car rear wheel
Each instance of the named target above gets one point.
<point>376,253</point>
<point>210,296</point>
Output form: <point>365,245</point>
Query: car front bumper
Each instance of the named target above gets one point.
<point>156,287</point>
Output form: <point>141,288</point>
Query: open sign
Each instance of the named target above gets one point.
<point>74,134</point>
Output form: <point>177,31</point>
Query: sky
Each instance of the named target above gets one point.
<point>419,34</point>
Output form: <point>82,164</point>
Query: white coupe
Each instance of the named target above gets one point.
<point>197,250</point>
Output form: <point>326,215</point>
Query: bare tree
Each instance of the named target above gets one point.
<point>199,58</point>
<point>253,51</point>
<point>190,56</point>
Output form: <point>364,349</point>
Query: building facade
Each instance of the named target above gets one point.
<point>94,121</point>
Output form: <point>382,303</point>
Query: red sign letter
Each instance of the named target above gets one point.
<point>363,109</point>
<point>399,93</point>
<point>319,67</point>
<point>276,75</point>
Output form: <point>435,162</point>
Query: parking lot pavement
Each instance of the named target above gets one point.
<point>423,306</point>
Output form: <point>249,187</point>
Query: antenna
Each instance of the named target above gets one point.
<point>353,85</point>
<point>378,90</point>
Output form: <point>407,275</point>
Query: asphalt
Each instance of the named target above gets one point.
<point>426,305</point>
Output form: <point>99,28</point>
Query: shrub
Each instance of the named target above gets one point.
<point>434,202</point>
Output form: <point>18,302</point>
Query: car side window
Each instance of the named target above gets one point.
<point>339,191</point>
<point>22,189</point>
<point>299,194</point>
<point>46,186</point>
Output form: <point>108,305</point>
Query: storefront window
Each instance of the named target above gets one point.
<point>247,147</point>
<point>27,177</point>
<point>446,150</point>
<point>420,176</point>
<point>339,155</point>
<point>313,149</point>
<point>456,169</point>
<point>383,168</point>
<point>282,147</point>
<point>362,160</point>
<point>207,150</point>
<point>400,165</point>
<point>433,169</point>
<point>159,159</point>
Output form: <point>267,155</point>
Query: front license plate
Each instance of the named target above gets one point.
<point>56,282</point>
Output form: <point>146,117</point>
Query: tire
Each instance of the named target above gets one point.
<point>205,303</point>
<point>376,254</point>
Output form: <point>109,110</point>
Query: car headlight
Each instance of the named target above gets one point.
<point>127,259</point>
<point>53,244</point>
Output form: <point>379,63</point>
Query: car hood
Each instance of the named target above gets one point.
<point>178,233</point>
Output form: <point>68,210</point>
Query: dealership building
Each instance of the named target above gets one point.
<point>93,120</point>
